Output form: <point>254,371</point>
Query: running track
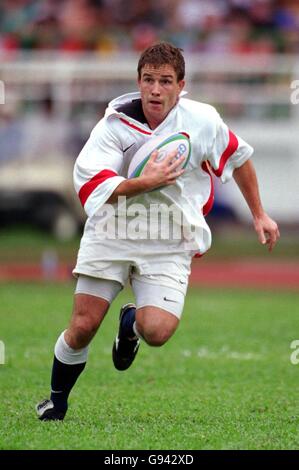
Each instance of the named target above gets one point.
<point>240,273</point>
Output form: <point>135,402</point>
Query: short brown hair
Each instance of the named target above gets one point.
<point>163,53</point>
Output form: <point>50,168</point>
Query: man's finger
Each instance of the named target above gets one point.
<point>174,175</point>
<point>272,239</point>
<point>176,162</point>
<point>261,236</point>
<point>154,156</point>
<point>170,156</point>
<point>271,244</point>
<point>278,233</point>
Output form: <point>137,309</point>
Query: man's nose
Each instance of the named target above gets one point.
<point>156,88</point>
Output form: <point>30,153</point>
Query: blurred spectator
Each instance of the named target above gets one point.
<point>49,264</point>
<point>11,133</point>
<point>107,26</point>
<point>46,135</point>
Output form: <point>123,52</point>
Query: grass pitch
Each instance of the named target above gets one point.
<point>224,381</point>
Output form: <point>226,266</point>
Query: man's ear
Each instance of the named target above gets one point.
<point>181,85</point>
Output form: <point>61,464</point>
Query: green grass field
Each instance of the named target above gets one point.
<point>224,381</point>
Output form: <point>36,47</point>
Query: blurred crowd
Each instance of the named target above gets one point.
<point>108,26</point>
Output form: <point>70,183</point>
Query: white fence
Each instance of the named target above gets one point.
<point>252,93</point>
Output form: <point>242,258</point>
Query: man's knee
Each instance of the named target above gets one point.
<point>80,332</point>
<point>86,319</point>
<point>155,326</point>
<point>156,338</point>
<point>85,326</point>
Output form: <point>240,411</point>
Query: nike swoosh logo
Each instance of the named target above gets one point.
<point>182,282</point>
<point>128,147</point>
<point>169,300</point>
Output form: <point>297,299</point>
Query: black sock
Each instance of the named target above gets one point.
<point>63,379</point>
<point>128,322</point>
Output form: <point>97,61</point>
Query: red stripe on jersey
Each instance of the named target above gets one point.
<point>228,152</point>
<point>209,204</point>
<point>135,127</point>
<point>185,133</point>
<point>88,187</point>
<point>198,255</point>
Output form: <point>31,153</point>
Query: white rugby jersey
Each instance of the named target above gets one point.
<point>104,160</point>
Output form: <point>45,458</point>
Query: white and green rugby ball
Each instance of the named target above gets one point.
<point>179,141</point>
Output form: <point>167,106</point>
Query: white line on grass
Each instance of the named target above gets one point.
<point>205,353</point>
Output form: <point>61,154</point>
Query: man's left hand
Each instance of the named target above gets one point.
<point>267,230</point>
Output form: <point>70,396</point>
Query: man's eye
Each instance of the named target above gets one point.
<point>166,82</point>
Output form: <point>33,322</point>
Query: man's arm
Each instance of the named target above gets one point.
<point>266,228</point>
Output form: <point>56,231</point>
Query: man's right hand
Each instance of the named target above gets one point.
<point>162,173</point>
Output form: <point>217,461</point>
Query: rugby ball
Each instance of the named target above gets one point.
<point>179,141</point>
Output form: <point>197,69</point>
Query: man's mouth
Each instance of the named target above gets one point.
<point>155,102</point>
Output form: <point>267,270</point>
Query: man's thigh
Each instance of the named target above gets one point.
<point>159,308</point>
<point>106,289</point>
<point>153,291</point>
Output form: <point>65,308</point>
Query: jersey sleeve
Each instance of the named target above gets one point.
<point>228,152</point>
<point>97,168</point>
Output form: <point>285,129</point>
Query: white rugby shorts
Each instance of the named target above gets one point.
<point>162,283</point>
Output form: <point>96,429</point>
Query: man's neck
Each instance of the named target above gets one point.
<point>154,123</point>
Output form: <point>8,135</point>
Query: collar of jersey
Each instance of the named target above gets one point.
<point>120,100</point>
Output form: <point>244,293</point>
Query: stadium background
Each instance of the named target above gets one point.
<point>60,63</point>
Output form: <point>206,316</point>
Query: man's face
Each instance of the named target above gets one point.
<point>159,90</point>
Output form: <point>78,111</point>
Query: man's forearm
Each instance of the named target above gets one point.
<point>266,228</point>
<point>246,179</point>
<point>129,188</point>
